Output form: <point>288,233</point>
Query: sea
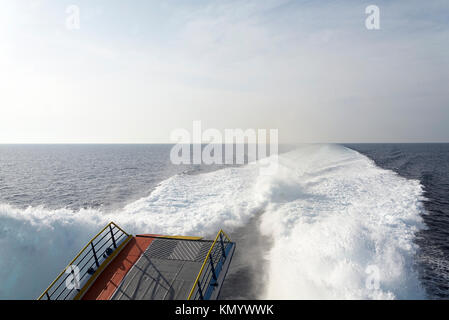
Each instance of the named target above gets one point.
<point>334,221</point>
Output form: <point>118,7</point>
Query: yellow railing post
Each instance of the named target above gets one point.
<point>79,254</point>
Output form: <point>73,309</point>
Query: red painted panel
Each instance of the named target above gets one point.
<point>108,281</point>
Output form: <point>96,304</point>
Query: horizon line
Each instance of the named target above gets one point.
<point>171,143</point>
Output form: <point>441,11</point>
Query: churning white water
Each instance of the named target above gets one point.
<point>340,226</point>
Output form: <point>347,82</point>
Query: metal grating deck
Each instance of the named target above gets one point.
<point>167,270</point>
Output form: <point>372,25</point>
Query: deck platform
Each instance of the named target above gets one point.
<point>115,265</point>
<point>166,270</point>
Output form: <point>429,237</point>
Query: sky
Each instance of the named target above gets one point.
<point>135,71</point>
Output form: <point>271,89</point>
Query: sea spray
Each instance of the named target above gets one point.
<point>337,221</point>
<point>331,214</point>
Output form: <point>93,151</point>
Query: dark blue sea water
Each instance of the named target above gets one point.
<point>84,176</point>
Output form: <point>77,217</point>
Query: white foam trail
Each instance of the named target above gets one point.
<point>37,243</point>
<point>331,213</point>
<point>342,227</point>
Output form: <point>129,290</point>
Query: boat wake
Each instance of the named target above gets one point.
<point>340,227</point>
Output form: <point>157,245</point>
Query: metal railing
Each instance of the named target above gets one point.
<point>207,278</point>
<point>86,266</point>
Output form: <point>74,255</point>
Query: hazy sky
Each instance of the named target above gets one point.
<point>136,70</point>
